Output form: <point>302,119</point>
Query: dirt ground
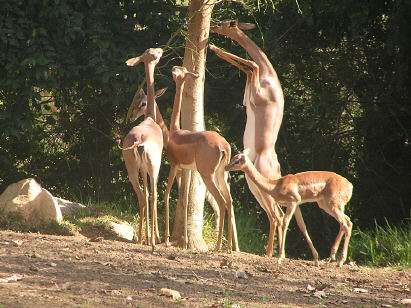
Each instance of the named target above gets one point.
<point>71,271</point>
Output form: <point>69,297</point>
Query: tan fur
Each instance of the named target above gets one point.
<point>208,153</point>
<point>263,98</point>
<point>143,146</point>
<point>330,190</point>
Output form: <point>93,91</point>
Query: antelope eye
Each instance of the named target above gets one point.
<point>143,104</point>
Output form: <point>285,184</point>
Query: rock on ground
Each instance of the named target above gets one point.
<point>123,230</point>
<point>68,208</point>
<point>28,199</point>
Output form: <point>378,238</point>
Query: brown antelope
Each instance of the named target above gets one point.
<point>208,153</point>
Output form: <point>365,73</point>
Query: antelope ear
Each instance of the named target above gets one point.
<point>246,26</point>
<point>246,151</point>
<point>160,92</point>
<point>139,93</point>
<point>133,61</point>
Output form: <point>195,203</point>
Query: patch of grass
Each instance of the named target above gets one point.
<point>228,301</point>
<point>383,246</point>
<point>113,210</point>
<point>265,299</point>
<point>205,300</point>
<point>16,223</point>
<point>92,220</point>
<point>102,222</point>
<point>181,302</point>
<point>210,234</point>
<point>251,238</point>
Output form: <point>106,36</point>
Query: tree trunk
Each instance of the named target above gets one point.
<point>192,117</point>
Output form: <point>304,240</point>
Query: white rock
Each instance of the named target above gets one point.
<point>360,290</point>
<point>170,293</point>
<point>28,199</point>
<point>310,288</point>
<point>319,294</point>
<point>123,230</point>
<point>68,208</point>
<point>15,277</point>
<point>240,275</point>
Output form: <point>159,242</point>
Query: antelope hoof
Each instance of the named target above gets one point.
<point>269,253</point>
<point>328,260</point>
<point>280,260</point>
<point>317,264</point>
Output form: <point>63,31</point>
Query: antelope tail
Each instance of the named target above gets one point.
<point>136,144</point>
<point>224,155</point>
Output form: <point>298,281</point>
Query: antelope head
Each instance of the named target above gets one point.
<point>140,103</point>
<point>238,161</point>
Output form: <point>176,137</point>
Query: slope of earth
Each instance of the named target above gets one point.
<point>72,271</point>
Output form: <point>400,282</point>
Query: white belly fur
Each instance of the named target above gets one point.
<point>249,134</point>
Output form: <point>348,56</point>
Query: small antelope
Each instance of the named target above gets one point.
<point>330,190</point>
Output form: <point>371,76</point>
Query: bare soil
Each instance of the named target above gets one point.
<point>73,271</point>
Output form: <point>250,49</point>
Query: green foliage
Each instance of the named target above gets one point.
<point>386,245</point>
<point>251,237</point>
<point>95,218</point>
<point>228,301</point>
<point>210,233</point>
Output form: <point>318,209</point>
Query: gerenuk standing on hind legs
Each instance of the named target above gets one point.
<point>264,101</point>
<point>143,146</point>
